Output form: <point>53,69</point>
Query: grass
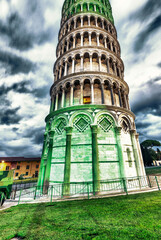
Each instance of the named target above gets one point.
<point>153,171</point>
<point>123,218</point>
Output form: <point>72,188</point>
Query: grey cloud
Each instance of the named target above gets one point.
<point>144,35</point>
<point>20,35</point>
<point>159,65</point>
<point>36,134</point>
<point>15,64</point>
<point>10,116</point>
<point>148,101</point>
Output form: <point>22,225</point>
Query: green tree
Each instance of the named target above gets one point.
<point>149,155</point>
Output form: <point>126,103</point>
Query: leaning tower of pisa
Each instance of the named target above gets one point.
<point>90,132</point>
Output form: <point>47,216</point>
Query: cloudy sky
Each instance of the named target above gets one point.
<point>28,39</point>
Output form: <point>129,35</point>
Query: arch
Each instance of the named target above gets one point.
<point>85,20</point>
<point>95,62</point>
<point>67,94</point>
<point>71,42</point>
<point>91,7</point>
<point>65,47</point>
<point>72,25</point>
<point>101,40</point>
<point>87,91</point>
<point>69,66</point>
<point>78,40</point>
<point>78,9</point>
<point>92,21</point>
<point>111,66</point>
<point>99,22</point>
<point>103,63</point>
<point>77,63</point>
<point>85,7</point>
<point>59,97</point>
<point>107,93</point>
<point>105,25</point>
<point>98,98</point>
<point>105,113</point>
<point>63,69</point>
<point>86,39</point>
<point>86,62</point>
<point>78,113</point>
<point>94,39</point>
<point>116,96</point>
<point>78,22</point>
<point>77,92</point>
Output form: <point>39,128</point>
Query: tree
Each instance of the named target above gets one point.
<point>149,155</point>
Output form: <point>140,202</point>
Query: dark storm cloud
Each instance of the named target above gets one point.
<point>20,36</point>
<point>10,116</point>
<point>159,65</point>
<point>142,125</point>
<point>15,64</point>
<point>149,100</point>
<point>145,35</point>
<point>145,12</point>
<point>36,134</point>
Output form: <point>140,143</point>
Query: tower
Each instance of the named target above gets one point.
<point>90,133</point>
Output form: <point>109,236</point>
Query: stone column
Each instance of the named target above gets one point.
<point>140,155</point>
<point>82,67</point>
<point>120,100</point>
<point>134,147</point>
<point>89,23</point>
<point>90,40</point>
<point>100,65</point>
<point>75,23</point>
<point>56,102</point>
<point>92,93</point>
<point>49,159</point>
<point>108,69</point>
<point>65,72</point>
<point>103,24</point>
<point>95,160</point>
<point>81,39</point>
<point>60,72</point>
<point>67,44</point>
<point>63,97</point>
<point>40,182</point>
<point>90,62</point>
<point>103,95</point>
<point>81,100</point>
<point>71,95</point>
<point>66,190</point>
<point>120,155</point>
<point>112,97</point>
<point>125,100</point>
<point>74,41</point>
<point>98,41</point>
<point>105,41</point>
<point>81,18</point>
<point>96,18</point>
<point>73,65</point>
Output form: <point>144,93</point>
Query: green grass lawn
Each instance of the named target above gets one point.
<point>124,217</point>
<point>153,171</point>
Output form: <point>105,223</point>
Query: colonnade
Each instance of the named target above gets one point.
<point>89,38</point>
<point>88,21</point>
<point>87,62</point>
<point>89,93</point>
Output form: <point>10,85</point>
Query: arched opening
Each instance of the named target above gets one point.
<point>117,70</point>
<point>91,7</point>
<point>101,41</point>
<point>97,92</point>
<point>110,29</point>
<point>69,66</point>
<point>86,39</point>
<point>107,93</point>
<point>67,95</point>
<point>92,21</point>
<point>77,63</point>
<point>103,63</point>
<point>85,7</point>
<point>105,25</point>
<point>77,93</point>
<point>122,92</point>
<point>87,92</point>
<point>116,96</point>
<point>99,22</point>
<point>85,21</point>
<point>113,46</point>
<point>59,97</point>
<point>86,62</point>
<point>72,25</point>
<point>70,42</point>
<point>78,9</point>
<point>95,62</point>
<point>78,40</point>
<point>108,44</point>
<point>78,23</point>
<point>65,47</point>
<point>111,66</point>
<point>63,70</point>
<point>94,39</point>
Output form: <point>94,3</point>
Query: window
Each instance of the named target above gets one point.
<point>36,173</point>
<point>37,166</point>
<point>19,162</point>
<point>27,167</point>
<point>7,168</point>
<point>27,173</point>
<point>18,167</point>
<point>16,174</point>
